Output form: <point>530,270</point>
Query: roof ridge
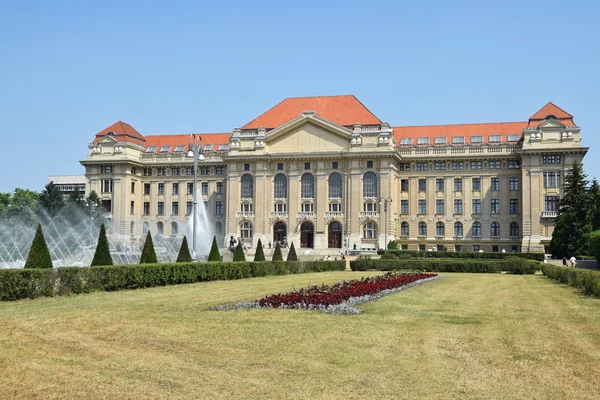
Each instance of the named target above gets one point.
<point>569,115</point>
<point>180,134</point>
<point>471,123</point>
<point>317,97</point>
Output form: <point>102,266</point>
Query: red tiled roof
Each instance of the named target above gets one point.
<point>551,109</point>
<point>122,132</point>
<point>344,110</point>
<point>466,130</point>
<point>184,139</point>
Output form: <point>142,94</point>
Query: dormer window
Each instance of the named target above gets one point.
<point>209,147</point>
<point>514,137</point>
<point>551,116</point>
<point>440,140</point>
<point>180,148</point>
<point>223,147</point>
<point>423,140</point>
<point>458,140</point>
<point>476,139</point>
<point>165,149</point>
<point>405,140</point>
<point>495,138</point>
<point>111,134</point>
<point>151,149</point>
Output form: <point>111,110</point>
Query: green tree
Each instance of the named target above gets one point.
<point>102,254</point>
<point>148,254</point>
<point>22,206</point>
<point>292,253</point>
<point>184,252</point>
<point>239,253</point>
<point>214,254</point>
<point>39,255</point>
<point>572,226</point>
<point>260,254</point>
<point>594,205</point>
<point>277,256</point>
<point>77,198</point>
<point>51,199</point>
<point>392,245</point>
<point>594,244</point>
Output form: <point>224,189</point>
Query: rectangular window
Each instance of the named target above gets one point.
<point>146,208</point>
<point>107,185</point>
<point>422,166</point>
<point>176,171</point>
<point>551,159</point>
<point>458,206</point>
<point>422,185</point>
<point>165,149</point>
<point>513,183</point>
<point>132,207</point>
<point>334,165</point>
<point>439,206</point>
<point>246,167</point>
<point>147,171</point>
<point>422,207</point>
<point>369,164</point>
<point>476,183</point>
<point>457,165</point>
<point>423,140</point>
<point>204,187</point>
<point>495,184</point>
<point>551,179</point>
<point>405,140</point>
<point>514,164</point>
<point>307,165</point>
<point>513,137</point>
<point>189,208</point>
<point>308,207</point>
<point>162,171</point>
<point>220,170</point>
<point>175,208</point>
<point>404,166</point>
<point>439,165</point>
<point>132,187</point>
<point>179,148</point>
<point>458,185</point>
<point>404,207</point>
<point>133,171</point>
<point>219,187</point>
<point>476,206</point>
<point>176,188</point>
<point>106,169</point>
<point>494,164</point>
<point>495,206</point>
<point>514,206</point>
<point>495,138</point>
<point>551,203</point>
<point>146,188</point>
<point>439,184</point>
<point>205,171</point>
<point>404,185</point>
<point>161,188</point>
<point>476,139</point>
<point>161,208</point>
<point>280,166</point>
<point>219,208</point>
<point>458,140</point>
<point>190,188</point>
<point>476,164</point>
<point>440,140</point>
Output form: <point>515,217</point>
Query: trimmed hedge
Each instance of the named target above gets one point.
<point>463,254</point>
<point>586,280</point>
<point>446,265</point>
<point>18,284</point>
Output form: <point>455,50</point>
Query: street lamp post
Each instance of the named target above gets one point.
<point>385,201</point>
<point>195,151</point>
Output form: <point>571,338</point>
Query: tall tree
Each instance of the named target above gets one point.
<point>51,199</point>
<point>77,198</point>
<point>594,205</point>
<point>572,226</point>
<point>22,206</point>
<point>184,252</point>
<point>39,255</point>
<point>148,254</point>
<point>102,254</point>
<point>259,255</point>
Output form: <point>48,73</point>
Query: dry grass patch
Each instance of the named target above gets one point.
<point>464,336</point>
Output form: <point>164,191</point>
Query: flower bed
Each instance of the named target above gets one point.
<point>341,297</point>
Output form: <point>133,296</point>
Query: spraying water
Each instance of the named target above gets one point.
<point>204,232</point>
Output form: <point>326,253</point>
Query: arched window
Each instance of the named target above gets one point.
<point>422,229</point>
<point>218,228</point>
<point>247,187</point>
<point>280,187</point>
<point>476,230</point>
<point>335,186</point>
<point>131,227</point>
<point>404,228</point>
<point>145,227</point>
<point>514,229</point>
<point>458,229</point>
<point>160,228</point>
<point>440,229</point>
<point>495,229</point>
<point>370,230</point>
<point>308,186</point>
<point>174,228</point>
<point>370,184</point>
<point>246,230</point>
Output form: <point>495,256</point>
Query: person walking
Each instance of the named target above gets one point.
<point>564,261</point>
<point>573,261</point>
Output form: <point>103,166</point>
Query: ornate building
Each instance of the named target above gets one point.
<point>326,173</point>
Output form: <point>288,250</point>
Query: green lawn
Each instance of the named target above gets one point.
<point>484,336</point>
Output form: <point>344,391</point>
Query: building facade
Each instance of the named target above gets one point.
<point>69,184</point>
<point>327,174</point>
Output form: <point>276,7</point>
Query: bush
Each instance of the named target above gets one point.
<point>441,265</point>
<point>18,284</point>
<point>39,255</point>
<point>586,280</point>
<point>594,244</point>
<point>102,253</point>
<point>292,254</point>
<point>520,266</point>
<point>277,256</point>
<point>214,254</point>
<point>465,254</point>
<point>239,253</point>
<point>184,252</point>
<point>148,254</point>
<point>389,256</point>
<point>392,245</point>
<point>259,255</point>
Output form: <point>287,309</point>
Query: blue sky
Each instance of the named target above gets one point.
<point>69,70</point>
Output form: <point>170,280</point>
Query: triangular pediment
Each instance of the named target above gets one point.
<point>308,133</point>
<point>108,139</point>
<point>551,124</point>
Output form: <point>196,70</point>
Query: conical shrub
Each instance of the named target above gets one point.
<point>102,254</point>
<point>214,254</point>
<point>39,255</point>
<point>148,253</point>
<point>277,256</point>
<point>260,254</point>
<point>239,253</point>
<point>184,252</point>
<point>292,254</point>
